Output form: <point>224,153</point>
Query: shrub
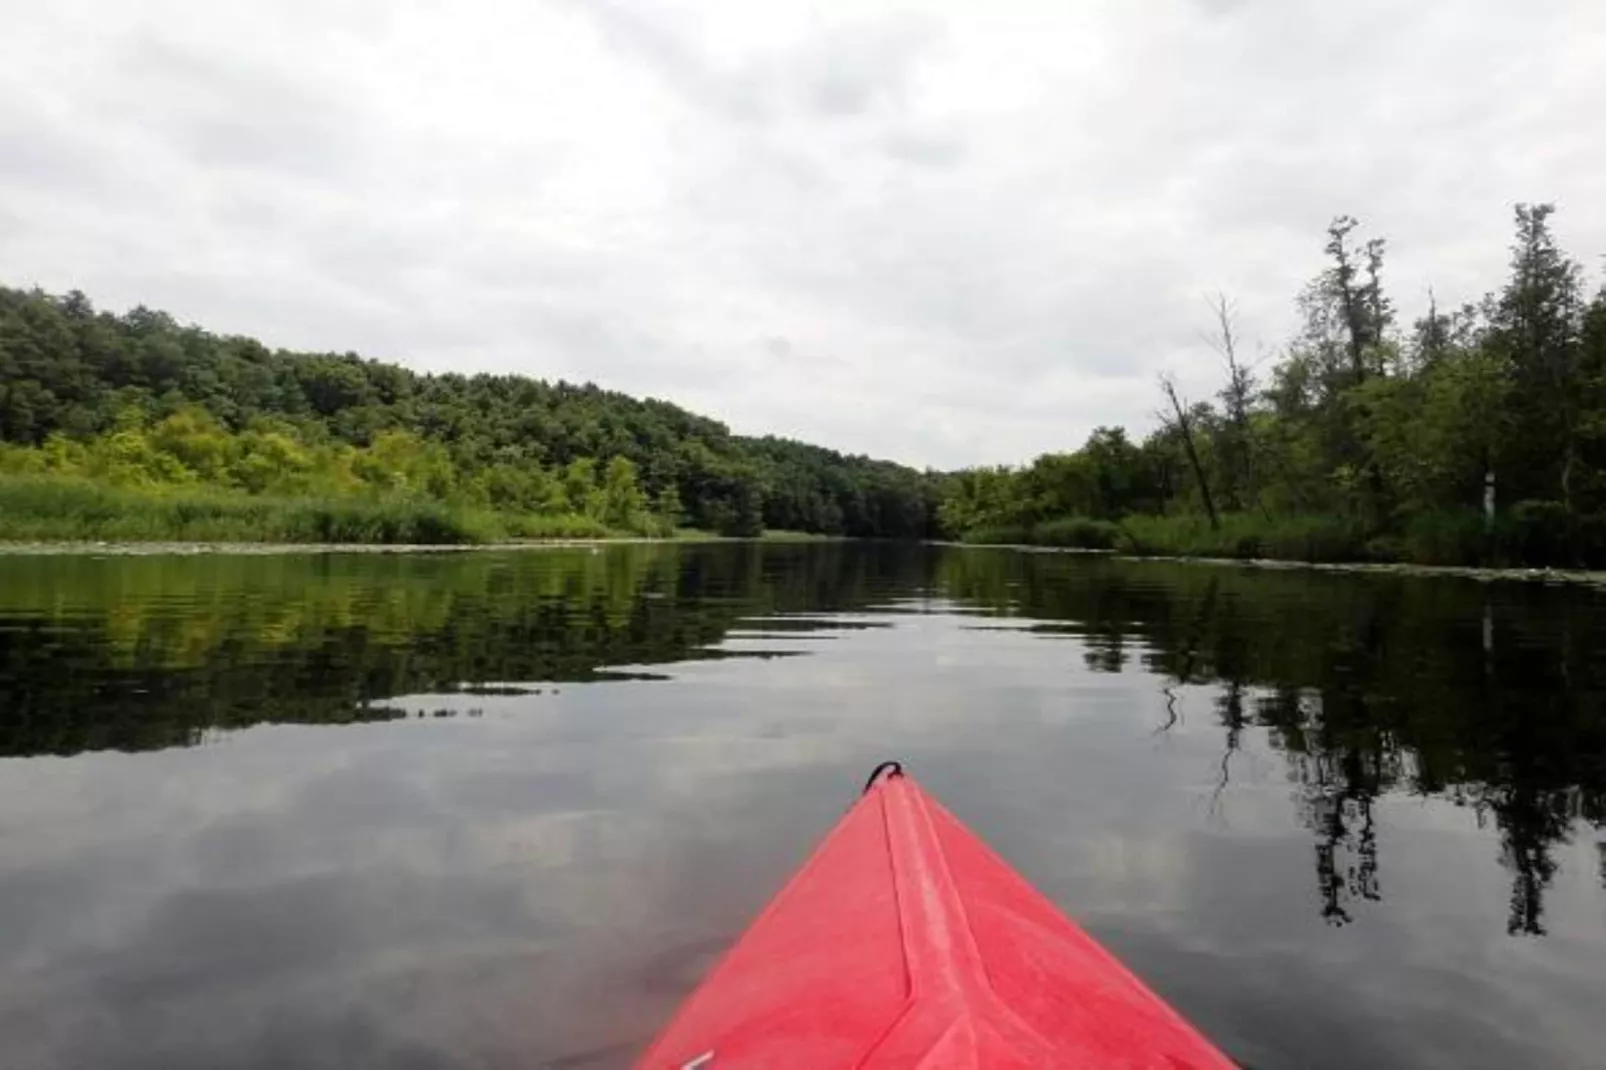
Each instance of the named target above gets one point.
<point>56,507</point>
<point>1539,533</point>
<point>997,535</point>
<point>554,526</point>
<point>1324,539</point>
<point>1443,537</point>
<point>1243,536</point>
<point>1590,540</point>
<point>1075,531</point>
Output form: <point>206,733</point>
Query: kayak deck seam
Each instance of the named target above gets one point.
<point>932,914</point>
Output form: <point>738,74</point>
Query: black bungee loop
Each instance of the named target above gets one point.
<point>893,768</point>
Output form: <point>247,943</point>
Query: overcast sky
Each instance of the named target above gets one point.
<point>944,233</point>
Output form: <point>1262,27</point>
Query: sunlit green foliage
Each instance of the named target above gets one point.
<point>138,400</point>
<point>34,508</point>
<point>186,477</point>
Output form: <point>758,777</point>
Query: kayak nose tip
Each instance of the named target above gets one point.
<point>885,769</point>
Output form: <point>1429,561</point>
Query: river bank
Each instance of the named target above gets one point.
<point>178,547</point>
<point>1574,577</point>
<point>1528,536</point>
<point>91,548</point>
<point>244,549</point>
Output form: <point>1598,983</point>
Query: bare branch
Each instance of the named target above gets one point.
<point>1236,395</point>
<point>1168,387</point>
<point>1224,339</point>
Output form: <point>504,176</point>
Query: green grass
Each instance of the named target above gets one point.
<point>1245,535</point>
<point>1292,538</point>
<point>1078,532</point>
<point>552,526</point>
<point>1536,534</point>
<point>44,508</point>
<point>783,535</point>
<point>998,535</point>
<point>768,535</point>
<point>680,534</point>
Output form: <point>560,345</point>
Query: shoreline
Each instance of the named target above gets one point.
<point>179,548</point>
<point>184,548</point>
<point>1553,576</point>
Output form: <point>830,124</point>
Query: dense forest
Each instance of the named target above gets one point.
<point>1475,435</point>
<point>127,425</point>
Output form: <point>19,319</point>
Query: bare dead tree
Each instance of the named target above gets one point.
<point>1168,386</point>
<point>1235,396</point>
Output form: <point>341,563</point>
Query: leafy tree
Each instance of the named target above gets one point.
<point>624,505</point>
<point>339,424</point>
<point>1478,436</point>
<point>1536,328</point>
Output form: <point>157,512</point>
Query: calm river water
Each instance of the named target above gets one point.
<point>501,810</point>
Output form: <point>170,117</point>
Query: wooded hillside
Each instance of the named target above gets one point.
<point>141,400</point>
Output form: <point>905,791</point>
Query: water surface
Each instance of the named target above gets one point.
<point>501,810</point>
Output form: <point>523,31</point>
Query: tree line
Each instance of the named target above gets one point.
<point>1475,434</point>
<point>140,400</point>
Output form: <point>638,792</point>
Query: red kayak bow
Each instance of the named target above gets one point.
<point>906,942</point>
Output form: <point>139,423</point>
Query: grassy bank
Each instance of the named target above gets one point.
<point>1529,534</point>
<point>1075,532</point>
<point>784,535</point>
<point>49,508</point>
<point>1294,538</point>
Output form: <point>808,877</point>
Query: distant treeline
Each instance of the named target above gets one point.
<point>1475,435</point>
<point>145,405</point>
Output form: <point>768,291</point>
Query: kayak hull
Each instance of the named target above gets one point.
<point>904,941</point>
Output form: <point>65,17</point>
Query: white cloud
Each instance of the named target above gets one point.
<point>946,233</point>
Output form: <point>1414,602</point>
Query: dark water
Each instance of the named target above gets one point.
<point>500,811</point>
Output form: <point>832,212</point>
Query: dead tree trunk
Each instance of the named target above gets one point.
<point>1235,397</point>
<point>1169,387</point>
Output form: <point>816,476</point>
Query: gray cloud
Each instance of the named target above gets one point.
<point>979,232</point>
<point>237,114</point>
